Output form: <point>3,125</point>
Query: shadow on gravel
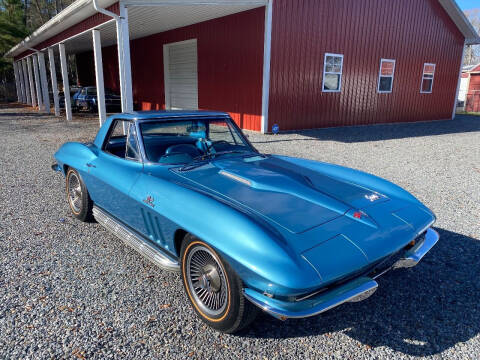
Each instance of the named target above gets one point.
<point>354,134</point>
<point>420,311</point>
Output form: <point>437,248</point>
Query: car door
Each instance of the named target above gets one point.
<point>114,172</point>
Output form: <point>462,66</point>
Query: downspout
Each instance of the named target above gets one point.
<point>104,11</point>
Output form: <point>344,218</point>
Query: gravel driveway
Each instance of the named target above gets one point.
<point>71,290</point>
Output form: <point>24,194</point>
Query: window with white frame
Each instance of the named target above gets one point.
<point>332,73</point>
<point>427,78</point>
<point>385,75</point>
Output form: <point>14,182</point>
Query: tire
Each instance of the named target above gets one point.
<point>213,288</point>
<point>77,196</point>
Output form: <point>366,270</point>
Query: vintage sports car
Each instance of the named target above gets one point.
<point>290,236</point>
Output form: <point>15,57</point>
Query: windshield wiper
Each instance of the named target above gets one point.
<point>200,160</point>
<point>215,154</point>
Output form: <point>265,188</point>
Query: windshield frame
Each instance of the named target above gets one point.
<point>227,119</point>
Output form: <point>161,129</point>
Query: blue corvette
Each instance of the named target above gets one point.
<point>247,231</point>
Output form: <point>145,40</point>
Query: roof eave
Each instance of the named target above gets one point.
<point>461,21</point>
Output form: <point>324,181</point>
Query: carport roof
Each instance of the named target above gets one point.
<point>146,17</point>
<point>172,14</point>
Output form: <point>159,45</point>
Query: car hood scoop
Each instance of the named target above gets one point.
<point>290,196</point>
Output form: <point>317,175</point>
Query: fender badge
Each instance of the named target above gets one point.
<point>149,201</point>
<point>372,197</point>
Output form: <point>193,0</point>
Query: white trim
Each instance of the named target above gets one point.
<point>44,82</point>
<point>38,89</point>
<point>33,93</point>
<point>166,69</point>
<point>66,85</point>
<point>458,82</point>
<point>28,98</point>
<point>425,78</point>
<point>53,79</point>
<point>332,72</point>
<point>97,55</point>
<point>267,52</point>
<point>380,75</point>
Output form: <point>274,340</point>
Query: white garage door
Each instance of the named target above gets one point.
<point>181,77</point>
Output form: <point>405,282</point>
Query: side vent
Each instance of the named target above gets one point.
<point>135,241</point>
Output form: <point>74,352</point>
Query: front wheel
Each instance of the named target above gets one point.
<point>77,196</point>
<point>213,288</point>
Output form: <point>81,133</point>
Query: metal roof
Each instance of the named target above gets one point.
<point>147,17</point>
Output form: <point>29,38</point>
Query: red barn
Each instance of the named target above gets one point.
<point>297,64</point>
<point>471,82</point>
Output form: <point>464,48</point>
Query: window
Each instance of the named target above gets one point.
<point>121,145</point>
<point>183,141</point>
<point>427,78</point>
<point>332,73</point>
<point>385,76</point>
<point>132,147</point>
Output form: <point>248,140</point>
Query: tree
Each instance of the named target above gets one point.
<point>472,52</point>
<point>12,30</point>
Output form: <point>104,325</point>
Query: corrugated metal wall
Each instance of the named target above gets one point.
<point>410,31</point>
<point>230,66</point>
<point>472,103</point>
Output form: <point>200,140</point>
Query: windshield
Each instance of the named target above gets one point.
<point>187,141</point>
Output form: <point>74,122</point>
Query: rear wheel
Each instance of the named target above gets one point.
<point>77,196</point>
<point>213,288</point>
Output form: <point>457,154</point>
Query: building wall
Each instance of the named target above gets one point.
<point>472,103</point>
<point>410,31</point>
<point>230,66</point>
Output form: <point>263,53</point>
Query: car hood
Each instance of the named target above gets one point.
<point>292,197</point>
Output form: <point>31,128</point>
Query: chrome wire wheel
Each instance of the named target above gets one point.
<point>74,192</point>
<point>206,281</point>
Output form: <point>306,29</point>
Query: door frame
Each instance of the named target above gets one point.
<point>166,71</point>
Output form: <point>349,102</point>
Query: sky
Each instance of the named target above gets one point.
<point>468,4</point>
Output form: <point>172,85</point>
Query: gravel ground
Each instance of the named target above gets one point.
<point>71,290</point>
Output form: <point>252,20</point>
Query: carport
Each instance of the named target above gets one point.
<point>88,25</point>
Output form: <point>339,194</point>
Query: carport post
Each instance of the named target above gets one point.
<point>53,77</point>
<point>30,80</point>
<point>44,81</point>
<point>97,53</point>
<point>22,83</point>
<point>17,81</point>
<point>267,46</point>
<point>123,43</point>
<point>66,86</point>
<point>27,84</point>
<point>38,90</point>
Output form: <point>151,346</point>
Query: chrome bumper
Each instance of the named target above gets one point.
<point>418,251</point>
<point>353,291</point>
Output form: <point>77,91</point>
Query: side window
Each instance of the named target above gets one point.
<point>132,145</point>
<point>427,78</point>
<point>332,73</point>
<point>385,76</point>
<point>121,145</point>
